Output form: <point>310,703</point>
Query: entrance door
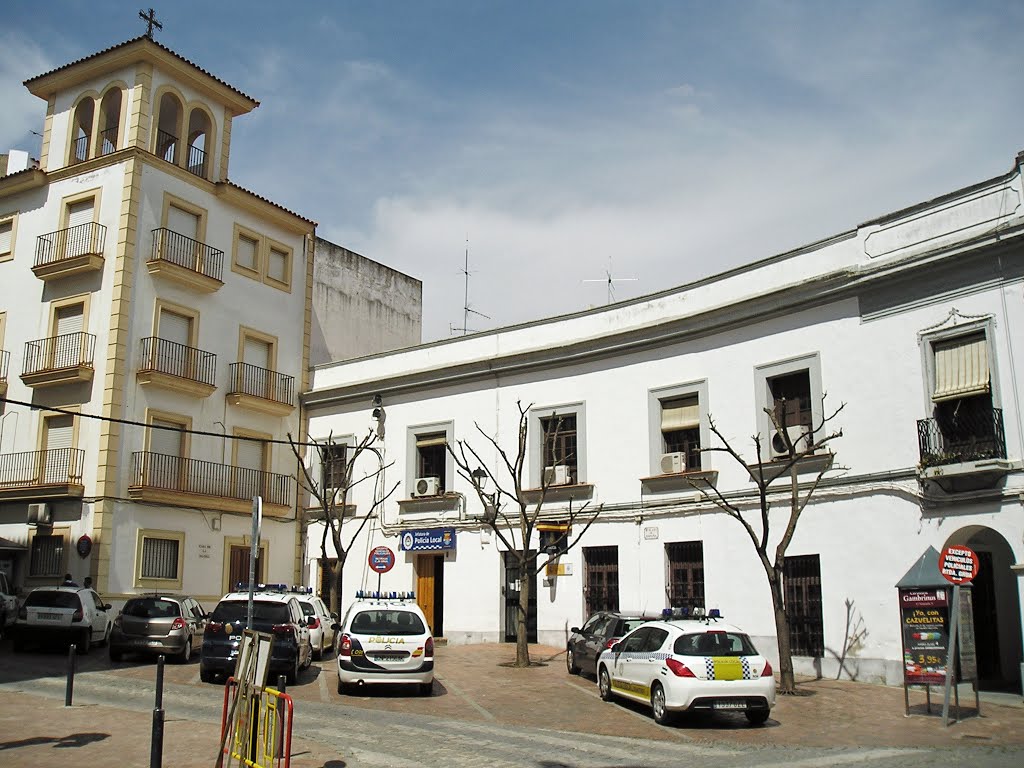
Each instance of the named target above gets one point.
<point>511,592</point>
<point>430,591</point>
<point>986,628</point>
<point>238,567</point>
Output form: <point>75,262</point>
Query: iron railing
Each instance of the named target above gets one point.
<point>70,350</point>
<point>79,150</point>
<point>204,478</point>
<point>259,382</point>
<point>961,438</point>
<point>56,466</point>
<point>178,360</point>
<point>166,145</point>
<point>108,141</point>
<point>82,240</point>
<point>191,254</point>
<point>197,161</point>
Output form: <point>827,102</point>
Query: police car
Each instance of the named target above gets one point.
<point>688,664</point>
<point>384,639</point>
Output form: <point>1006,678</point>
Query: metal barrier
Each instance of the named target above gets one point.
<point>256,733</point>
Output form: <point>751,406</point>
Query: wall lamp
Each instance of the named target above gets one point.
<point>378,407</point>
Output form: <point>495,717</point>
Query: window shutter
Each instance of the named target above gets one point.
<point>175,327</point>
<point>680,413</point>
<point>246,252</point>
<point>256,352</point>
<point>166,442</point>
<point>961,367</point>
<point>249,454</point>
<point>434,438</point>
<point>6,228</point>
<point>182,222</point>
<point>60,432</point>
<point>70,320</point>
<point>80,213</point>
<point>277,268</point>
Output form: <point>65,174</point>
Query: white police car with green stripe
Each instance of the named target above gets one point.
<point>679,665</point>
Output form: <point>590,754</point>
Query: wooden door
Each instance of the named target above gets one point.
<point>425,586</point>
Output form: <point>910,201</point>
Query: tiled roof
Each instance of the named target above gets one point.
<point>151,42</point>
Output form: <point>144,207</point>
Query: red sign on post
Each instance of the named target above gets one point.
<point>958,564</point>
<point>381,559</point>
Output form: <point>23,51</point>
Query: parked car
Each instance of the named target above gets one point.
<point>687,665</point>
<point>153,624</point>
<point>276,610</point>
<point>62,615</point>
<point>8,604</point>
<point>598,633</point>
<point>385,641</point>
<point>321,633</point>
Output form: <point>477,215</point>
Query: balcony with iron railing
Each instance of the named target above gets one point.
<point>5,359</point>
<point>71,251</point>
<point>166,146</point>
<point>177,367</point>
<point>964,451</point>
<point>108,141</point>
<point>262,390</point>
<point>64,359</point>
<point>179,481</point>
<point>186,261</point>
<point>52,473</point>
<point>196,161</point>
<point>79,150</point>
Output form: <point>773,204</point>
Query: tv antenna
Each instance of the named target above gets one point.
<point>609,280</point>
<point>466,309</point>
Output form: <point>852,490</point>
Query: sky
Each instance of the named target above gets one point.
<point>560,142</point>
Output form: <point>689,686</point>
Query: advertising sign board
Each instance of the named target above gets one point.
<point>924,614</point>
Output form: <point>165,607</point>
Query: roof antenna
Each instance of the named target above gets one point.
<point>609,280</point>
<point>466,309</point>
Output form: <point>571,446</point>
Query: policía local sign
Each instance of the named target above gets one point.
<point>381,559</point>
<point>958,564</point>
<point>428,539</point>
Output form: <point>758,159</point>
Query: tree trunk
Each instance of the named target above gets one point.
<point>787,683</point>
<point>522,626</point>
<point>334,568</point>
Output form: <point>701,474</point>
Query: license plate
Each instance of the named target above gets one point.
<point>730,705</point>
<point>397,656</point>
<point>49,616</point>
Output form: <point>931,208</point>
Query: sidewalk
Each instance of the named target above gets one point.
<point>476,684</point>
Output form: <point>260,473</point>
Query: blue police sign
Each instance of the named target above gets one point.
<point>428,539</point>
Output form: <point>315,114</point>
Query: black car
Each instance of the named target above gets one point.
<point>171,625</point>
<point>276,613</point>
<point>601,631</point>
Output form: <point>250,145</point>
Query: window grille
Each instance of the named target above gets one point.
<point>159,558</point>
<point>47,556</point>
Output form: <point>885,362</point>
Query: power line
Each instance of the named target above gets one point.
<point>129,422</point>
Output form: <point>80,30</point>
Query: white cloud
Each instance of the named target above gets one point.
<point>22,112</point>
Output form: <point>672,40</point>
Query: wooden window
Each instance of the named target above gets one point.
<point>685,574</point>
<point>802,583</point>
<point>335,466</point>
<point>601,590</point>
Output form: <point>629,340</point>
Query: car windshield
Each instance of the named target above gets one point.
<point>235,611</point>
<point>47,599</point>
<point>152,608</point>
<point>631,624</point>
<point>390,622</point>
<point>714,643</point>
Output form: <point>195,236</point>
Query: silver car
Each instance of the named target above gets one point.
<point>158,624</point>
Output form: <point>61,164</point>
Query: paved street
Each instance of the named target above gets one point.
<point>482,713</point>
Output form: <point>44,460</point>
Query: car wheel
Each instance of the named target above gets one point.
<point>186,653</point>
<point>206,675</point>
<point>604,684</point>
<point>570,662</point>
<point>309,659</point>
<point>115,654</point>
<point>757,716</point>
<point>662,715</point>
<point>342,688</point>
<point>82,646</point>
<point>427,689</point>
<point>293,673</point>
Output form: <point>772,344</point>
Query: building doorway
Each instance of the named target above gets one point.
<point>511,590</point>
<point>430,590</point>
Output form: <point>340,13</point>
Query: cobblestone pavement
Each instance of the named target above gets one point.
<point>482,713</point>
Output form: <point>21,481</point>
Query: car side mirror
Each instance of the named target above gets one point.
<point>574,630</point>
<point>335,626</point>
<point>616,648</point>
<point>106,606</point>
<point>334,616</point>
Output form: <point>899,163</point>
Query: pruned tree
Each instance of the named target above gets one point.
<point>330,495</point>
<point>771,550</point>
<point>514,509</point>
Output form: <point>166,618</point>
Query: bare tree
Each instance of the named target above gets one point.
<point>331,494</point>
<point>513,510</point>
<point>789,454</point>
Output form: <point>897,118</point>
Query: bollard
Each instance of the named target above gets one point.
<point>69,690</point>
<point>282,682</point>
<point>156,748</point>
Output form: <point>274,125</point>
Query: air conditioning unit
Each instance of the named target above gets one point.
<point>557,475</point>
<point>39,514</point>
<point>673,463</point>
<point>799,436</point>
<point>426,486</point>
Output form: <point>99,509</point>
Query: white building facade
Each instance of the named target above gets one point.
<point>911,320</point>
<point>155,322</point>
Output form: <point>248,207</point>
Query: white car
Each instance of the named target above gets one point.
<point>63,614</point>
<point>385,640</point>
<point>321,632</point>
<point>688,665</point>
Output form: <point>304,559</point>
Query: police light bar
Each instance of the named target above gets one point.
<point>363,594</point>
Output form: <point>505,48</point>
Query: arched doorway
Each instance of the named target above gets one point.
<point>997,622</point>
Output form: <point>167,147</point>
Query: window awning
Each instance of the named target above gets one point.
<point>434,438</point>
<point>680,413</point>
<point>961,367</point>
<point>11,545</point>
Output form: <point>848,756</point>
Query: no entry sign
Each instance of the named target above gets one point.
<point>958,564</point>
<point>382,559</point>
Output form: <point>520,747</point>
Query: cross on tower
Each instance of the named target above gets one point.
<point>150,22</point>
